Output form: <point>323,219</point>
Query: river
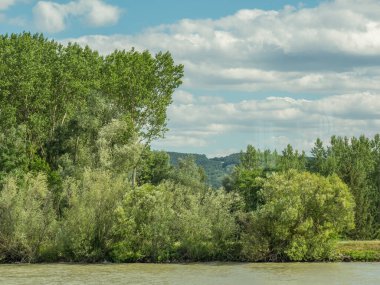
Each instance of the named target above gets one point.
<point>195,273</point>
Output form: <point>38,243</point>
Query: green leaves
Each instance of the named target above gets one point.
<point>86,230</point>
<point>301,216</point>
<point>291,159</point>
<point>172,222</point>
<point>141,87</point>
<point>27,220</point>
<point>63,95</point>
<point>356,162</point>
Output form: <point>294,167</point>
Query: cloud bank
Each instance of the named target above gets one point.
<point>273,122</point>
<point>329,48</point>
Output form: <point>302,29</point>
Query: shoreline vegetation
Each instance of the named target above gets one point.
<point>346,251</point>
<point>79,182</point>
<point>366,251</point>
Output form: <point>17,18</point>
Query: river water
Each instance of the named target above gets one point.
<point>196,273</point>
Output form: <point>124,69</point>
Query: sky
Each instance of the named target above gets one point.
<point>265,73</point>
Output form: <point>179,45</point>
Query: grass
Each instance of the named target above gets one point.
<point>358,250</point>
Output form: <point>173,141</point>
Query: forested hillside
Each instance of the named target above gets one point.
<point>215,168</point>
<point>218,168</point>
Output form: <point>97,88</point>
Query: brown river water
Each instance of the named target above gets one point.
<point>194,273</point>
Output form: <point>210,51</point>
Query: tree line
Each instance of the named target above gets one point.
<point>80,183</point>
<point>356,161</point>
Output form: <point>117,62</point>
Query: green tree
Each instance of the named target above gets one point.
<point>154,167</point>
<point>118,149</point>
<point>141,85</point>
<point>319,162</point>
<point>144,228</point>
<point>13,152</point>
<point>250,159</point>
<point>173,222</point>
<point>43,84</point>
<point>291,159</point>
<point>375,178</point>
<point>63,95</point>
<point>355,162</point>
<point>246,178</point>
<point>301,217</point>
<point>189,174</point>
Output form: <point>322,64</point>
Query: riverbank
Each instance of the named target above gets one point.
<point>345,251</point>
<point>368,250</point>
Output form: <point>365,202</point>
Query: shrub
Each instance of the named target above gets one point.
<point>27,219</point>
<point>173,222</point>
<point>85,232</point>
<point>301,217</point>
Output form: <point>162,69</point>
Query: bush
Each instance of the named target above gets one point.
<point>173,222</point>
<point>301,217</point>
<point>27,219</point>
<point>85,232</point>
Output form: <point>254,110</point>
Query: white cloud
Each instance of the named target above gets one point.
<point>49,16</point>
<point>333,47</point>
<point>181,140</point>
<point>52,17</point>
<point>101,14</point>
<point>183,97</point>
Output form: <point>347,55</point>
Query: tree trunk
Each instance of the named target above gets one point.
<point>134,173</point>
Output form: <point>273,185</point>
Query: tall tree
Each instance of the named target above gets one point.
<point>63,95</point>
<point>355,161</point>
<point>141,87</point>
<point>291,159</point>
<point>246,177</point>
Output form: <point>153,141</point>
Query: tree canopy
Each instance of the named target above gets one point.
<point>61,96</point>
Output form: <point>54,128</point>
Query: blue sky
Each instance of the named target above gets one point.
<point>137,15</point>
<point>265,73</point>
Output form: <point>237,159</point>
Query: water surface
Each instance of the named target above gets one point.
<point>197,273</point>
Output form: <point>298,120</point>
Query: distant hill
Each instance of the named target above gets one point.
<point>216,168</point>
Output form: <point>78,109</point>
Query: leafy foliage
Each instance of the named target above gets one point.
<point>302,214</point>
<point>174,222</point>
<point>27,220</point>
<point>356,162</point>
<point>86,230</point>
